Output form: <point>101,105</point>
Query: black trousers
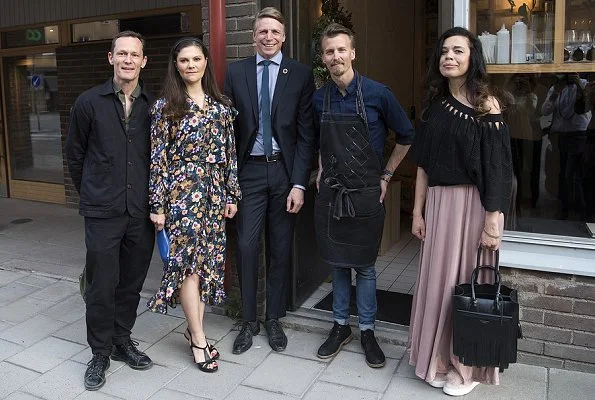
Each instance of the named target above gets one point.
<point>265,187</point>
<point>119,252</point>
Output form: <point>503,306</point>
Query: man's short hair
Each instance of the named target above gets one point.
<point>129,34</point>
<point>335,29</point>
<point>269,12</point>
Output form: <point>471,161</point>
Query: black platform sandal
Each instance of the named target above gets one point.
<point>212,349</point>
<point>209,365</point>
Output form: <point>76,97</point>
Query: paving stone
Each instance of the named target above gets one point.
<point>248,393</point>
<point>217,326</point>
<point>406,370</point>
<point>23,309</point>
<point>5,325</point>
<point>45,355</point>
<point>171,351</point>
<point>7,276</point>
<point>13,377</point>
<point>291,375</point>
<point>390,350</point>
<point>67,310</point>
<point>97,395</point>
<point>151,327</point>
<point>31,331</point>
<point>252,357</point>
<point>519,382</point>
<point>38,281</point>
<point>57,291</point>
<point>22,396</point>
<point>325,390</point>
<point>8,349</point>
<point>344,371</point>
<point>220,383</point>
<point>412,389</point>
<point>304,345</point>
<point>132,384</point>
<point>14,291</point>
<point>63,382</point>
<point>75,332</point>
<point>571,385</point>
<point>167,394</point>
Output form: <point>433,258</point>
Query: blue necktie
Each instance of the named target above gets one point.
<point>265,108</point>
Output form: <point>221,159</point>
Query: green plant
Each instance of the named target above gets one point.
<point>332,11</point>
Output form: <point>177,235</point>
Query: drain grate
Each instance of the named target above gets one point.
<point>21,221</point>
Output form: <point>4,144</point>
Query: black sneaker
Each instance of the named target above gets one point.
<point>95,373</point>
<point>374,355</point>
<point>340,335</point>
<point>128,353</point>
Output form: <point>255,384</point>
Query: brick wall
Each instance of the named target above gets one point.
<point>84,66</point>
<point>557,317</point>
<point>239,16</point>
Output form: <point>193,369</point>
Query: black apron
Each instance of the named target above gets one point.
<point>348,213</point>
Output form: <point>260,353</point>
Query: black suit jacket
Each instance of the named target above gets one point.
<point>291,113</point>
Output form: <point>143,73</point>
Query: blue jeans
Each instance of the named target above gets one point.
<point>365,289</point>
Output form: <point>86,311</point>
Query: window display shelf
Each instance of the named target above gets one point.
<point>538,35</point>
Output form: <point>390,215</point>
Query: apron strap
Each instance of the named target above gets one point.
<point>343,203</point>
<point>359,101</point>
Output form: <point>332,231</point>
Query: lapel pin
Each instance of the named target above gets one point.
<point>285,70</point>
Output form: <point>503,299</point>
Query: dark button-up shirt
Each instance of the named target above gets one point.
<point>382,110</point>
<point>108,162</point>
<point>122,97</point>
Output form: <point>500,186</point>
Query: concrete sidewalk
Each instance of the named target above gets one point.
<point>43,349</point>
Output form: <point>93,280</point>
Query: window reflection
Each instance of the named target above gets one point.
<point>553,151</point>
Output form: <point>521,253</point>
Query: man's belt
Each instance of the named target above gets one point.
<point>272,158</point>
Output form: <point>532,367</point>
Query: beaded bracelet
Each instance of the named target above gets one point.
<point>385,179</point>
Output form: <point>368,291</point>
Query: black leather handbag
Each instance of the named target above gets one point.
<point>486,321</point>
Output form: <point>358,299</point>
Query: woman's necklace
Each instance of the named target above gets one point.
<point>198,99</point>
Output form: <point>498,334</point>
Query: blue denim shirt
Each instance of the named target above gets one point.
<point>382,110</point>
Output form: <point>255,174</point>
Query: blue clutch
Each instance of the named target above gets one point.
<point>163,245</point>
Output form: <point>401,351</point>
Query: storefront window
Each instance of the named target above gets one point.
<point>30,37</point>
<point>553,151</point>
<point>97,30</point>
<point>33,118</point>
<point>579,31</point>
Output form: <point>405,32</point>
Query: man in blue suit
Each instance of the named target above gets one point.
<point>274,135</point>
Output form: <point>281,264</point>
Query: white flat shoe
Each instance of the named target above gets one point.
<point>459,389</point>
<point>437,383</point>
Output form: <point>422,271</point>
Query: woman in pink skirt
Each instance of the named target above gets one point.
<point>464,181</point>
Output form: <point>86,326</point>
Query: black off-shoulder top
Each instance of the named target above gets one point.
<point>455,146</point>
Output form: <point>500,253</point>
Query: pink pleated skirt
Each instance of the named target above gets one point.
<point>454,218</point>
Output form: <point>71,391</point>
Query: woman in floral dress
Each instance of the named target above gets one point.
<point>193,188</point>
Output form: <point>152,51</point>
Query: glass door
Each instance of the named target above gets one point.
<point>33,127</point>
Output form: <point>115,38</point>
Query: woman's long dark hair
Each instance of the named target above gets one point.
<point>476,82</point>
<point>174,88</point>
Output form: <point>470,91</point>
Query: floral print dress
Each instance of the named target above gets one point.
<point>193,176</point>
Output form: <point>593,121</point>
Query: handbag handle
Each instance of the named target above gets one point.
<point>496,264</point>
<point>474,282</point>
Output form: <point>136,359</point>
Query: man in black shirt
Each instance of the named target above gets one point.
<point>107,151</point>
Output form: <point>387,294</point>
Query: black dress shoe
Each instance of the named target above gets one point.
<point>277,338</point>
<point>244,339</point>
<point>95,373</point>
<point>128,353</point>
<point>374,355</point>
<point>340,335</point>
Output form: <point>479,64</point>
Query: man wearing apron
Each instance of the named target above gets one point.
<point>352,115</point>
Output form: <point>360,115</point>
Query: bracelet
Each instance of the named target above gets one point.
<point>490,235</point>
<point>385,179</point>
<point>388,173</point>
